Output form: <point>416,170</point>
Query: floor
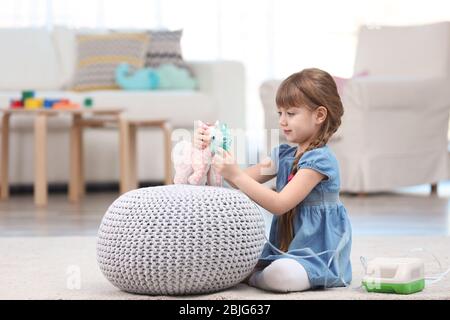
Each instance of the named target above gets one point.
<point>41,248</point>
<point>66,268</point>
<point>409,211</point>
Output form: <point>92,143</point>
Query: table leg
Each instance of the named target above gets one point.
<point>4,165</point>
<point>76,183</point>
<point>124,154</point>
<point>40,160</point>
<point>132,165</point>
<point>82,184</point>
<point>167,130</point>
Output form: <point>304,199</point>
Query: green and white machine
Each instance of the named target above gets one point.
<point>394,275</point>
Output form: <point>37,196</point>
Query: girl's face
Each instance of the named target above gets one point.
<point>298,124</point>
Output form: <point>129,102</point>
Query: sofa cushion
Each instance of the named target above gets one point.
<point>66,49</point>
<point>28,60</point>
<point>164,48</point>
<point>98,56</point>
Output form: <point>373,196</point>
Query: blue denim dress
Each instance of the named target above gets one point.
<point>322,230</point>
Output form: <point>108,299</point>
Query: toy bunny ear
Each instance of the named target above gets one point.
<point>204,124</point>
<point>199,124</point>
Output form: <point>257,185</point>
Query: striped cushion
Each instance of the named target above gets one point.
<point>164,48</point>
<point>100,54</point>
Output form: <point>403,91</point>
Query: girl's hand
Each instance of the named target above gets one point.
<point>202,137</point>
<point>226,165</point>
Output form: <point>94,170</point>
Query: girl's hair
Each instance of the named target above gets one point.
<point>310,88</point>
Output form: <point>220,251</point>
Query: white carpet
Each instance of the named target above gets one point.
<point>48,268</point>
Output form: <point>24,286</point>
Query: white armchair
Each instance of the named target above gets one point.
<point>394,129</point>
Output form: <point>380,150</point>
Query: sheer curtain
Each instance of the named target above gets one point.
<point>273,38</point>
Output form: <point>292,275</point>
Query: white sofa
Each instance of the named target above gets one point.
<point>45,61</point>
<point>394,129</point>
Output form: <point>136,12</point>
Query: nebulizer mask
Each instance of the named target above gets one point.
<point>220,137</point>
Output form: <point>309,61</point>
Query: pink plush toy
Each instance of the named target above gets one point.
<point>193,165</point>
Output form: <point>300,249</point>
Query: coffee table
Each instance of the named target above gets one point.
<point>76,183</point>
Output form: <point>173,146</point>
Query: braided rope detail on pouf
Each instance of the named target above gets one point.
<point>179,239</point>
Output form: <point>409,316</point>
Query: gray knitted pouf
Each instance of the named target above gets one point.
<point>179,239</point>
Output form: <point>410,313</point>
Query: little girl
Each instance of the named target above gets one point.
<point>310,223</point>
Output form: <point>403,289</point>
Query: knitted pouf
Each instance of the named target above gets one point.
<point>179,239</point>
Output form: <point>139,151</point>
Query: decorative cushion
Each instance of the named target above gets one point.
<point>180,239</point>
<point>100,54</point>
<point>172,77</point>
<point>142,79</point>
<point>165,47</point>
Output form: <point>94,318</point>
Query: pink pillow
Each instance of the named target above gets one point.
<point>341,82</point>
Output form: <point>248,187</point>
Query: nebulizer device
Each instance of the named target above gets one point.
<point>394,275</point>
<point>401,275</point>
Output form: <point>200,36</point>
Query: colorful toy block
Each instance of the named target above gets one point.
<point>88,102</point>
<point>48,103</point>
<point>16,104</point>
<point>33,103</point>
<point>62,105</point>
<point>30,102</point>
<point>29,94</point>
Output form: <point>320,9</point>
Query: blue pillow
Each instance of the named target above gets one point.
<point>142,79</point>
<point>173,77</point>
<point>166,77</point>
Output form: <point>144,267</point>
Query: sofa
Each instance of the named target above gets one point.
<point>44,61</point>
<point>394,132</point>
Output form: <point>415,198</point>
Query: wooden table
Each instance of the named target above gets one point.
<point>102,118</point>
<point>128,150</point>
<point>76,183</point>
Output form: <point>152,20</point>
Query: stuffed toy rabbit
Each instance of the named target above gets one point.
<point>193,165</point>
